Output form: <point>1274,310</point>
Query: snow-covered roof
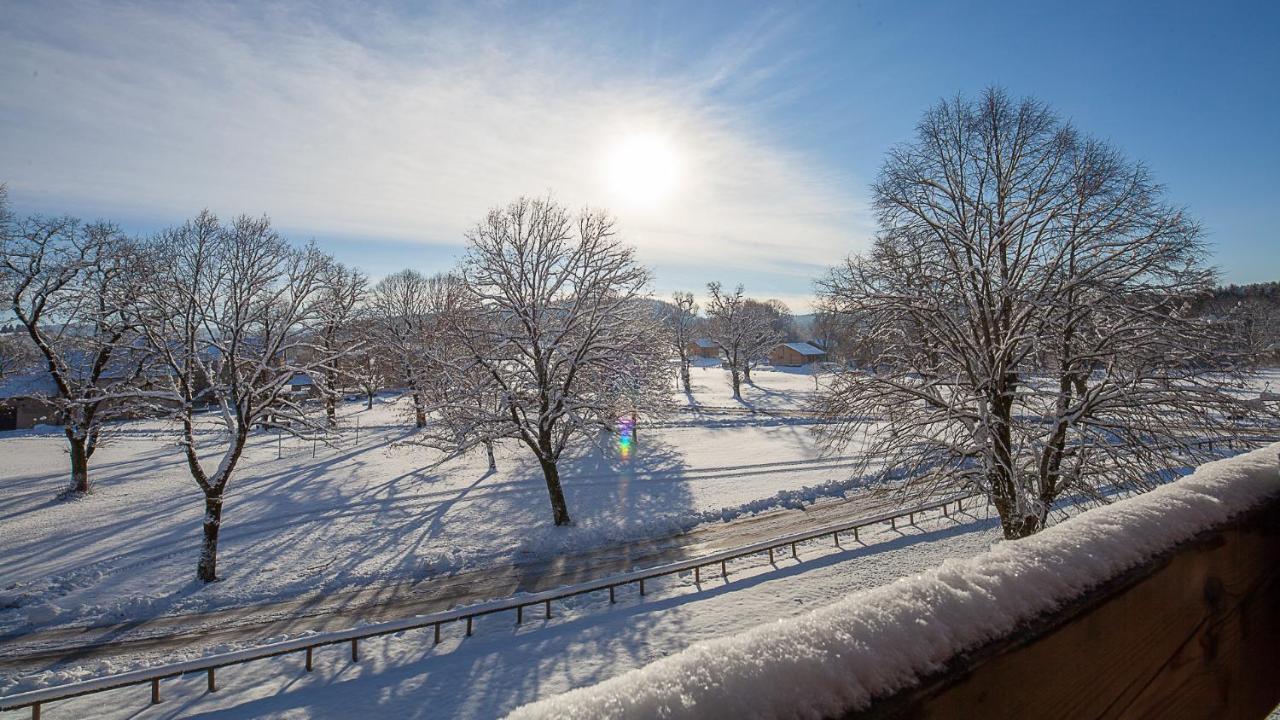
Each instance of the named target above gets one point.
<point>879,641</point>
<point>301,379</point>
<point>805,348</point>
<point>706,343</point>
<point>33,384</point>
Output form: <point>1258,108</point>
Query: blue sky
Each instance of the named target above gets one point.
<point>384,131</point>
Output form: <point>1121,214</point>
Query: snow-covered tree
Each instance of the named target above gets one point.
<point>744,330</point>
<point>773,321</point>
<point>681,323</point>
<point>233,313</point>
<point>561,327</point>
<point>464,398</point>
<point>343,291</point>
<point>398,319</point>
<point>71,286</point>
<point>1024,299</point>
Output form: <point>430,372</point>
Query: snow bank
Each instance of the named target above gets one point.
<point>877,642</point>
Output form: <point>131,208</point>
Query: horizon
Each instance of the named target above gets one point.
<point>732,146</point>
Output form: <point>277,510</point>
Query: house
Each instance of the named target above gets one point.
<point>795,354</point>
<point>302,386</point>
<point>24,401</point>
<point>704,348</point>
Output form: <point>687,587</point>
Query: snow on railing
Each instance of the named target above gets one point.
<point>34,699</point>
<point>882,641</point>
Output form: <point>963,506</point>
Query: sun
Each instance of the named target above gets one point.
<point>641,170</point>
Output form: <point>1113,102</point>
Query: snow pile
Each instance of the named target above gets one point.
<point>881,641</point>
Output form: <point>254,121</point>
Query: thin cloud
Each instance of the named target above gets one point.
<point>372,124</point>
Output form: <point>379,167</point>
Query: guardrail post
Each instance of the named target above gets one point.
<point>35,711</point>
<point>855,535</point>
<point>547,602</point>
<point>468,626</point>
<point>836,536</point>
<point>697,575</point>
<point>519,614</point>
<point>893,523</point>
<point>913,518</point>
<point>724,569</point>
<point>611,600</point>
<point>213,681</point>
<point>308,659</point>
<point>437,642</point>
<point>155,691</point>
<point>355,649</point>
<point>793,550</point>
<point>642,586</point>
<point>770,556</point>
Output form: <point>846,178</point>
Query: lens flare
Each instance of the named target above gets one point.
<point>626,435</point>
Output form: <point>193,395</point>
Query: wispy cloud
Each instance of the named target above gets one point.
<point>377,124</point>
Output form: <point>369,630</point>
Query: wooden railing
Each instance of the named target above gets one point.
<point>467,615</point>
<point>1193,634</point>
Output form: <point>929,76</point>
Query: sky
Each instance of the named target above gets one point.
<point>732,141</point>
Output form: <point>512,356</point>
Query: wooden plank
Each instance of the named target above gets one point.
<point>1195,634</point>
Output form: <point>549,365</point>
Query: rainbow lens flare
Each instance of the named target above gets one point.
<point>626,435</point>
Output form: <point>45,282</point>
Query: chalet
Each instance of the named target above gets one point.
<point>704,348</point>
<point>795,354</point>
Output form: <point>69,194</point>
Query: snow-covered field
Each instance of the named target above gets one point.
<point>503,666</point>
<point>372,507</point>
<point>375,509</point>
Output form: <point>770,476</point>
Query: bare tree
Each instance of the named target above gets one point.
<point>70,285</point>
<point>233,314</point>
<point>560,328</point>
<point>1024,300</point>
<point>399,315</point>
<point>342,292</point>
<point>465,399</point>
<point>771,323</point>
<point>681,321</point>
<point>743,329</point>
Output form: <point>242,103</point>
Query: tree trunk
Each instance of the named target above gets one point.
<point>558,507</point>
<point>79,464</point>
<point>684,376</point>
<point>207,570</point>
<point>737,384</point>
<point>420,415</point>
<point>746,373</point>
<point>330,409</point>
<point>369,404</point>
<point>493,463</point>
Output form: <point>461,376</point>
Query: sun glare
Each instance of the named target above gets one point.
<point>641,170</point>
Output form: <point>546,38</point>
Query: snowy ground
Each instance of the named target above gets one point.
<point>373,510</point>
<point>502,667</point>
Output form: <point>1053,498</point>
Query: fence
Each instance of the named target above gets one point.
<point>467,615</point>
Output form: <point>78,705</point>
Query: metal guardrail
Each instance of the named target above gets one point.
<point>34,699</point>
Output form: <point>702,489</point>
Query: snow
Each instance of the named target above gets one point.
<point>374,510</point>
<point>876,642</point>
<point>371,509</point>
<point>805,348</point>
<point>504,666</point>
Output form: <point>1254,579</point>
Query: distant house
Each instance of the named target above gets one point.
<point>795,354</point>
<point>302,385</point>
<point>24,401</point>
<point>704,348</point>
